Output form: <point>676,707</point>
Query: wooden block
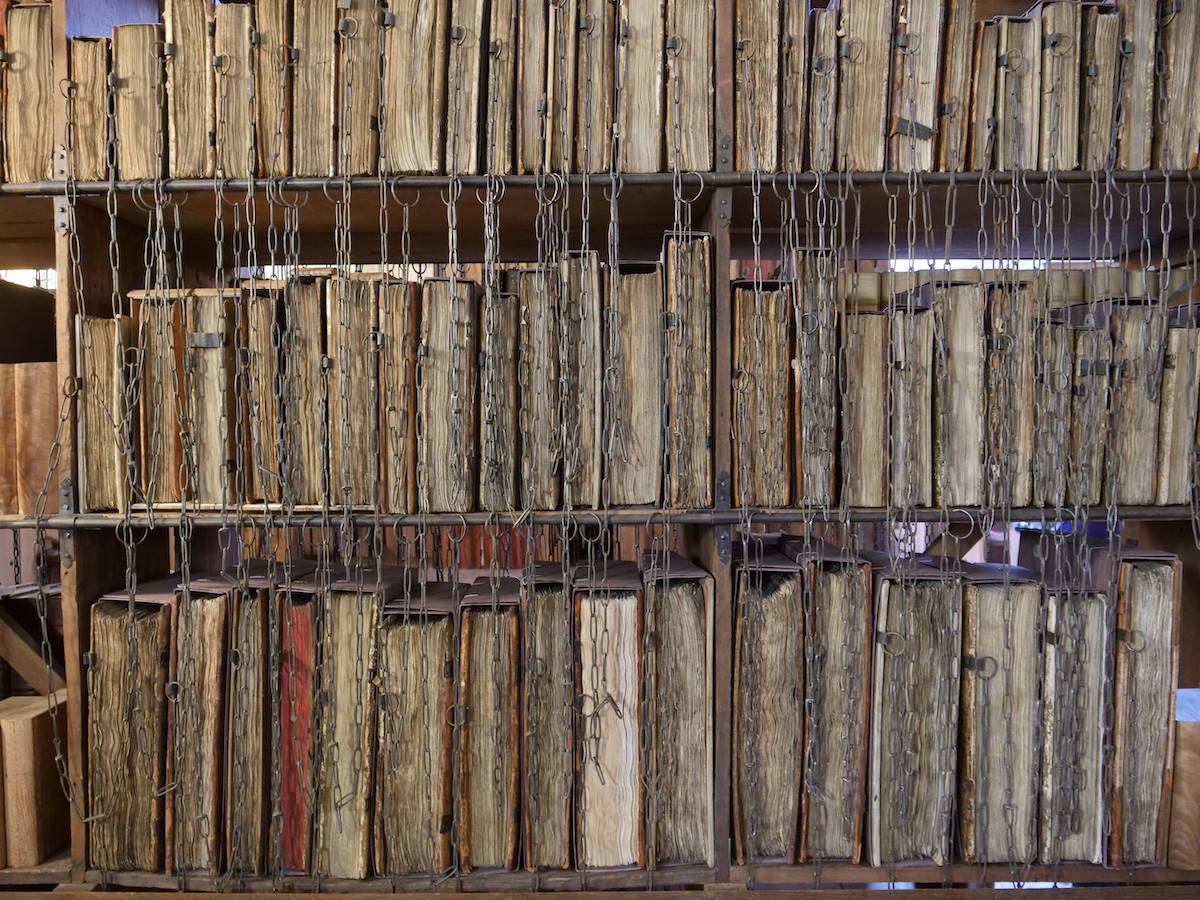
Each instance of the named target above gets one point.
<point>1183,851</point>
<point>35,808</point>
<point>8,441</point>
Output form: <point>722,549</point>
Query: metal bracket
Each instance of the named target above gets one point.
<point>725,150</point>
<point>66,548</point>
<point>62,217</point>
<point>60,161</point>
<point>724,213</point>
<point>724,535</point>
<point>66,496</point>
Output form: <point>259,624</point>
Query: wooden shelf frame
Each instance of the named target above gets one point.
<point>95,563</point>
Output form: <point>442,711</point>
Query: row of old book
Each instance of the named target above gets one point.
<point>868,85</point>
<point>931,711</point>
<point>578,383</point>
<point>327,87</point>
<point>964,388</point>
<point>403,727</point>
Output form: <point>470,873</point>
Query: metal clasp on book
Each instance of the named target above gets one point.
<point>823,65</point>
<point>891,642</point>
<point>1059,43</point>
<point>1134,640</point>
<point>851,49</point>
<point>908,42</point>
<point>745,49</point>
<point>1014,62</point>
<point>983,666</point>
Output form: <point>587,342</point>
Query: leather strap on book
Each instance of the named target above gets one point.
<point>910,128</point>
<point>984,666</point>
<point>205,340</point>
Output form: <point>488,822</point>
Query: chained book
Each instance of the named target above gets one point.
<point>584,278</point>
<point>916,73</point>
<point>537,290</point>
<point>464,86</point>
<point>91,61</point>
<point>346,710</point>
<point>914,713</point>
<point>358,114</point>
<point>29,93</point>
<point>610,804</point>
<point>1101,45</point>
<point>768,717</point>
<point>1091,358</point>
<point>502,94</point>
<point>1138,347</point>
<point>999,723</point>
<point>981,147</point>
<point>196,728</point>
<point>640,62</point>
<point>233,69</point>
<point>412,133</point>
<point>191,115</point>
<point>690,55</point>
<point>399,312</point>
<point>108,422</point>
<point>313,64</point>
<point>127,676</point>
<point>558,113</point>
<point>679,598</point>
<point>254,703</point>
<point>689,369</point>
<point>1010,394</point>
<point>499,411</point>
<point>814,378</point>
<point>548,774</point>
<point>867,33</point>
<point>414,801</point>
<point>821,127</point>
<point>1018,92</point>
<point>1137,82</point>
<point>958,397</point>
<point>140,120</point>
<point>1177,123</point>
<point>298,659</point>
<point>865,409</point>
<point>594,82</point>
<point>1061,34</point>
<point>447,376</point>
<point>794,69</point>
<point>1177,414</point>
<point>634,442</point>
<point>954,110</point>
<point>489,689</point>
<point>837,691</point>
<point>756,83</point>
<point>1075,704</point>
<point>762,325</point>
<point>261,399</point>
<point>529,106</point>
<point>351,382</point>
<point>910,436</point>
<point>273,86</point>
<point>1052,412</point>
<point>1147,670</point>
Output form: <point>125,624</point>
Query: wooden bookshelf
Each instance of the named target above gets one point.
<point>31,236</point>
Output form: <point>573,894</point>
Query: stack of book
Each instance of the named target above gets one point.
<point>511,89</point>
<point>403,726</point>
<point>867,86</point>
<point>946,719</point>
<point>964,388</point>
<point>362,390</point>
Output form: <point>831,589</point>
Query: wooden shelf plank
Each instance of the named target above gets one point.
<point>313,517</point>
<point>55,870</point>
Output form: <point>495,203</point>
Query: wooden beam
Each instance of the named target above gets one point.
<point>19,649</point>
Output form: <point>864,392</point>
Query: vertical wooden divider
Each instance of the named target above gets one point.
<point>718,538</point>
